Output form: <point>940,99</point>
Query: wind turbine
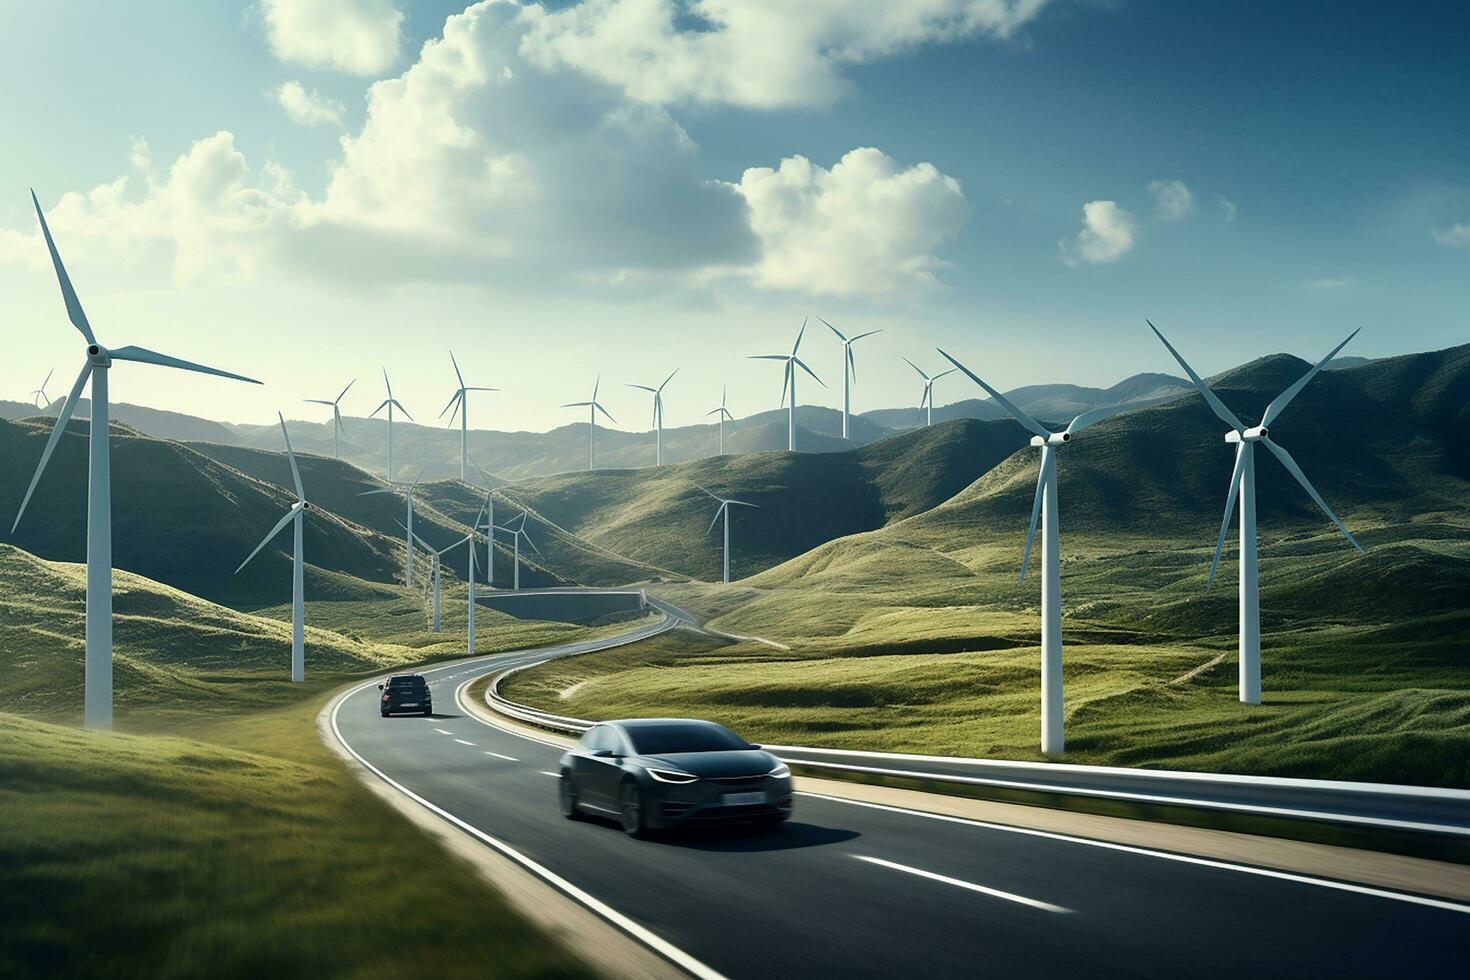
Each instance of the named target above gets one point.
<point>518,532</point>
<point>408,528</point>
<point>789,382</point>
<point>436,554</point>
<point>97,711</point>
<point>926,401</point>
<point>724,508</point>
<point>390,403</point>
<point>39,396</point>
<point>849,368</point>
<point>336,415</point>
<point>460,404</point>
<point>724,415</point>
<point>1243,483</point>
<point>295,515</point>
<point>1045,506</point>
<point>658,414</point>
<point>487,511</point>
<point>593,407</point>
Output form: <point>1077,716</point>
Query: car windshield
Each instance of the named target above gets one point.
<point>683,737</point>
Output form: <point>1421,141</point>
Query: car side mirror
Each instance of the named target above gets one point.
<point>751,745</point>
<point>380,687</point>
<point>602,753</point>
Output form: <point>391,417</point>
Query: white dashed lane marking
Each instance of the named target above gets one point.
<point>967,885</point>
<point>463,742</point>
<point>507,758</point>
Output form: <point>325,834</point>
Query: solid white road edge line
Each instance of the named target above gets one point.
<point>659,945</point>
<point>971,886</point>
<point>1345,886</point>
<point>1146,852</point>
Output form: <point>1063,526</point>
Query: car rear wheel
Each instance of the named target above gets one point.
<point>567,794</point>
<point>385,712</point>
<point>428,711</point>
<point>632,810</point>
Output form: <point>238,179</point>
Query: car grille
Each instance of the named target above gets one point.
<point>756,780</point>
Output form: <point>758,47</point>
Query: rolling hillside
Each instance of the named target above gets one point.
<point>1054,403</point>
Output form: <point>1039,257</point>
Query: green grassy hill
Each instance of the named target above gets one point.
<point>659,517</point>
<point>1054,402</point>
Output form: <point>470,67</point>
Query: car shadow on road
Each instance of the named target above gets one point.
<point>436,716</point>
<point>739,838</point>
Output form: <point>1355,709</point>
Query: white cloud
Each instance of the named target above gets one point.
<point>754,53</point>
<point>1453,236</point>
<point>210,215</point>
<point>865,227</point>
<point>1172,199</point>
<point>360,37</point>
<point>1106,235</point>
<point>1227,207</point>
<point>308,108</point>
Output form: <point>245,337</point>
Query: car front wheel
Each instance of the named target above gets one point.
<point>567,794</point>
<point>632,810</point>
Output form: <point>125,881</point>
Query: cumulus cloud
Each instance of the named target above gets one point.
<point>1227,207</point>
<point>753,53</point>
<point>1172,199</point>
<point>1106,235</point>
<point>210,214</point>
<point>360,37</point>
<point>308,108</point>
<point>1453,236</point>
<point>475,154</point>
<point>867,226</point>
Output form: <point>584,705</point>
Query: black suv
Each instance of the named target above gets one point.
<point>406,692</point>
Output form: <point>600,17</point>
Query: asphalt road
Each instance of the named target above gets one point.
<point>854,890</point>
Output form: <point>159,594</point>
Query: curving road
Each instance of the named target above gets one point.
<point>859,890</point>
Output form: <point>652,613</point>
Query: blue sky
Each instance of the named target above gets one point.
<point>508,218</point>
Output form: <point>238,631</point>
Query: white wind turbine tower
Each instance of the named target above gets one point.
<point>1243,483</point>
<point>337,429</point>
<point>39,397</point>
<point>97,712</point>
<point>792,362</point>
<point>849,369</point>
<point>658,415</point>
<point>724,415</point>
<point>593,407</point>
<point>1045,506</point>
<point>487,512</point>
<point>437,555</point>
<point>390,403</point>
<point>470,590</point>
<point>724,509</point>
<point>460,404</point>
<point>518,532</point>
<point>926,401</point>
<point>408,528</point>
<point>295,515</point>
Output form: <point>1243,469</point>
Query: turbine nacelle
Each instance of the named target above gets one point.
<point>1054,439</point>
<point>1255,434</point>
<point>99,356</point>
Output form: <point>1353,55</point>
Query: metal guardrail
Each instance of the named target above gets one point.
<point>1380,806</point>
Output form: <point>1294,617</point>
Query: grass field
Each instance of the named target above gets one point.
<point>215,834</point>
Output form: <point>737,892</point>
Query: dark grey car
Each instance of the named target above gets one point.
<point>655,773</point>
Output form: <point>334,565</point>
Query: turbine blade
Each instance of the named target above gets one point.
<point>799,335</point>
<point>337,420</point>
<point>344,390</point>
<point>1296,471</point>
<point>387,384</point>
<point>669,378</point>
<point>942,374</point>
<point>422,543</point>
<point>74,309</point>
<point>644,388</point>
<point>456,370</point>
<point>577,405</point>
<point>851,362</point>
<point>1046,463</point>
<point>62,418</point>
<point>840,335</point>
<point>767,357</point>
<point>1096,415</point>
<point>743,504</point>
<point>47,381</point>
<point>145,356</point>
<point>453,398</point>
<point>270,534</point>
<point>799,363</point>
<point>785,382</point>
<point>290,455</point>
<point>916,367</point>
<point>317,401</point>
<point>378,409</point>
<point>1282,400</point>
<point>419,477</point>
<point>399,405</point>
<point>706,490</point>
<point>595,385</point>
<point>862,335</point>
<point>1216,405</point>
<point>718,511</point>
<point>1235,476</point>
<point>605,412</point>
<point>530,542</point>
<point>1001,400</point>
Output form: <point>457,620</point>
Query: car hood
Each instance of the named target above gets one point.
<point>737,762</point>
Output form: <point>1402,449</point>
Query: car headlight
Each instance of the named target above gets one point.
<point>781,771</point>
<point>672,776</point>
